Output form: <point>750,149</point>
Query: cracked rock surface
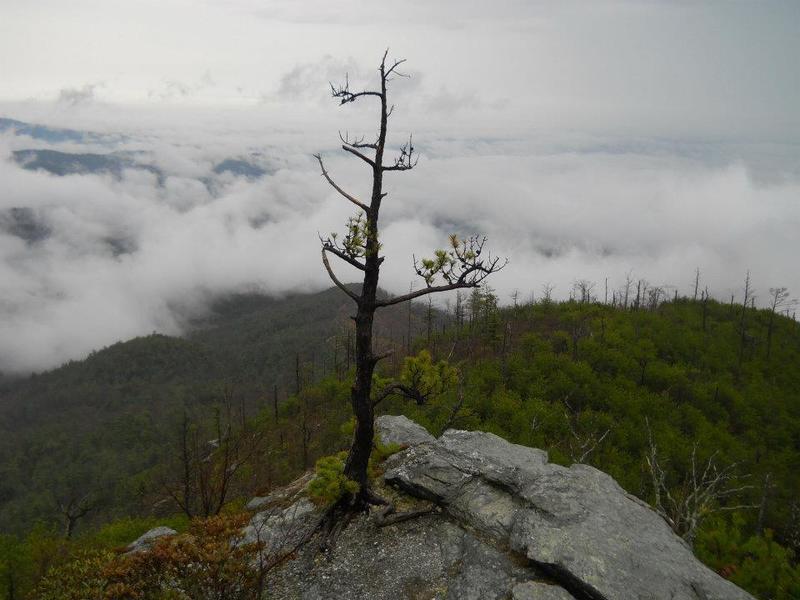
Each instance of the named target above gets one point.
<point>510,526</point>
<point>575,524</point>
<point>429,558</point>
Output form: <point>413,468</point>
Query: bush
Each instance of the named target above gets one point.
<point>329,483</point>
<point>207,563</point>
<point>82,578</point>
<point>758,564</point>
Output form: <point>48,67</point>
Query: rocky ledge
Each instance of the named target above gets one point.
<point>508,524</point>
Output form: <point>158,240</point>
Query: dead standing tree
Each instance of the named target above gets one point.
<point>706,489</point>
<point>463,265</point>
<point>73,509</point>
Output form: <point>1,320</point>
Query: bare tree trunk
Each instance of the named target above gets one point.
<point>361,393</point>
<point>464,267</point>
<point>742,322</point>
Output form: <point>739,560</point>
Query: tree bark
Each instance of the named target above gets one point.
<point>361,393</point>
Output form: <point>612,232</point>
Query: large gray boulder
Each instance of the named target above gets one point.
<point>279,528</point>
<point>402,431</point>
<point>146,540</point>
<point>575,524</point>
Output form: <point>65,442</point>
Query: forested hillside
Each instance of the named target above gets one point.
<point>691,405</point>
<point>98,430</point>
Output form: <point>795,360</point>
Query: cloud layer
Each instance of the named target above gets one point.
<point>588,139</point>
<point>127,256</point>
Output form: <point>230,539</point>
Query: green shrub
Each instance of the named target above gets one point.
<point>82,578</point>
<point>329,483</point>
<point>208,562</point>
<point>757,564</point>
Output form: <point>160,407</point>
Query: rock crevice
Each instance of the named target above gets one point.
<point>511,526</point>
<point>576,524</point>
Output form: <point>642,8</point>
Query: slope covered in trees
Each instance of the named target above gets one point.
<point>99,430</point>
<point>684,402</point>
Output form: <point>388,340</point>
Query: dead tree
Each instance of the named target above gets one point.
<point>704,302</point>
<point>580,443</point>
<point>583,288</point>
<point>465,264</point>
<point>655,295</point>
<point>699,495</point>
<point>72,510</point>
<point>547,292</point>
<point>206,470</point>
<point>778,299</point>
<point>628,284</point>
<point>748,290</point>
<point>459,310</point>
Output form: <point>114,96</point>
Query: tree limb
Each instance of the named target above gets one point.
<point>405,390</point>
<point>366,159</point>
<point>389,516</point>
<point>328,247</point>
<point>393,69</point>
<point>357,143</point>
<point>352,199</point>
<point>423,292</point>
<point>345,95</point>
<point>335,279</point>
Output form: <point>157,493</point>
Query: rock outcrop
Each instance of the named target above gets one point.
<point>509,524</point>
<point>146,540</point>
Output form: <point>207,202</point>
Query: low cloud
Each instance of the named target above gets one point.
<point>113,258</point>
<point>311,81</point>
<point>78,96</point>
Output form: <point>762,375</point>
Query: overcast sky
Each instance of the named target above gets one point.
<point>586,139</point>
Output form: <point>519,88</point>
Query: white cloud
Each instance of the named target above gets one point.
<point>585,138</point>
<point>128,257</point>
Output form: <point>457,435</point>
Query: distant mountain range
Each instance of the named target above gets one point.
<point>114,163</point>
<point>31,226</point>
<point>68,163</point>
<point>55,135</point>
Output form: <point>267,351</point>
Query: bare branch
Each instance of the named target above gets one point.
<point>697,497</point>
<point>401,390</point>
<point>344,94</point>
<point>389,516</point>
<point>358,142</point>
<point>406,161</point>
<point>352,199</point>
<point>327,246</point>
<point>463,266</point>
<point>422,292</point>
<point>355,152</point>
<point>335,279</point>
<point>393,69</point>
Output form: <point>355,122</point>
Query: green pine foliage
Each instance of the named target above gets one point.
<point>329,483</point>
<point>756,563</point>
